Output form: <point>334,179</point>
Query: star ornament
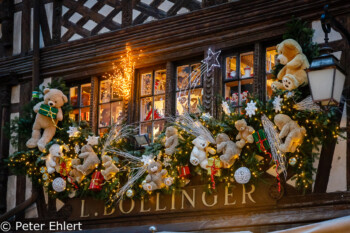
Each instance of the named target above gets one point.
<point>212,60</point>
<point>92,140</point>
<point>277,103</point>
<point>251,108</point>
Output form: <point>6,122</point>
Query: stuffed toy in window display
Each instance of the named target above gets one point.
<point>293,73</point>
<point>48,113</point>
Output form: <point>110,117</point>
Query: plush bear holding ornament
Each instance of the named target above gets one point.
<point>156,178</point>
<point>110,169</point>
<point>55,152</point>
<point>229,149</point>
<point>244,133</point>
<point>199,154</point>
<point>293,74</point>
<point>48,113</point>
<point>90,162</point>
<point>290,130</point>
<point>171,140</point>
<point>75,174</point>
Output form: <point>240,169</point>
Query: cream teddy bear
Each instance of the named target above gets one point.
<point>90,160</point>
<point>229,149</point>
<point>171,140</point>
<point>293,73</point>
<point>75,174</point>
<point>55,152</point>
<point>199,154</point>
<point>110,169</point>
<point>244,133</point>
<point>290,130</point>
<point>55,99</point>
<point>156,177</point>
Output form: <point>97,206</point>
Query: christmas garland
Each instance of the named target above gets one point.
<point>253,149</point>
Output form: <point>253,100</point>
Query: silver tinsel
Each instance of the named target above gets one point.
<point>274,141</point>
<point>307,104</point>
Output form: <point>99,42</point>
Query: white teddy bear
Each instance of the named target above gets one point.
<point>199,154</point>
<point>55,152</point>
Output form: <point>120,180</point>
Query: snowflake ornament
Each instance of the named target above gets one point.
<point>226,108</point>
<point>77,149</point>
<point>206,116</point>
<point>73,131</point>
<point>92,140</point>
<point>147,159</point>
<point>251,108</point>
<point>277,103</point>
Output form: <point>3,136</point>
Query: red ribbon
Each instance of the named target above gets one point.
<point>262,148</point>
<point>213,170</point>
<point>64,166</point>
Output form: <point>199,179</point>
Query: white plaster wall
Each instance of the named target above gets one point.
<point>15,94</point>
<point>319,34</point>
<point>31,211</point>
<point>13,149</point>
<point>11,193</point>
<point>337,177</point>
<point>17,28</point>
<point>49,15</point>
<point>45,83</point>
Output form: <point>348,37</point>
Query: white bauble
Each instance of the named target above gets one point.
<point>59,184</point>
<point>242,175</point>
<point>130,193</point>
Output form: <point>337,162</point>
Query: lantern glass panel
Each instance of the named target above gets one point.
<point>321,82</point>
<point>338,85</point>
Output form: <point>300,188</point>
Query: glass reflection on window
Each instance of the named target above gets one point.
<point>146,84</point>
<point>105,91</point>
<point>73,94</point>
<point>158,127</point>
<point>183,73</point>
<point>247,63</point>
<point>196,79</point>
<point>231,67</point>
<point>159,107</point>
<point>105,115</point>
<point>146,109</point>
<point>117,112</point>
<point>159,82</point>
<point>85,94</point>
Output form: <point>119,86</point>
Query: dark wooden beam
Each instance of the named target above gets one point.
<point>170,98</point>
<point>44,25</point>
<point>6,19</point>
<point>25,27</point>
<point>36,45</point>
<point>94,99</point>
<point>259,85</point>
<point>127,6</point>
<point>56,21</point>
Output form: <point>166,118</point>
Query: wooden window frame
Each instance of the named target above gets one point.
<point>79,106</point>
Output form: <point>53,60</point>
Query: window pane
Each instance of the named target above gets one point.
<point>146,109</point>
<point>85,114</point>
<point>271,55</point>
<point>146,84</point>
<point>105,91</point>
<point>146,128</point>
<point>105,115</point>
<point>246,89</point>
<point>247,63</point>
<point>160,80</point>
<point>196,97</point>
<point>73,94</point>
<point>103,131</point>
<point>85,94</point>
<point>181,103</point>
<point>196,78</point>
<point>74,115</point>
<point>158,128</point>
<point>183,73</point>
<point>159,106</point>
<point>231,92</point>
<point>115,93</point>
<point>117,112</point>
<point>231,64</point>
